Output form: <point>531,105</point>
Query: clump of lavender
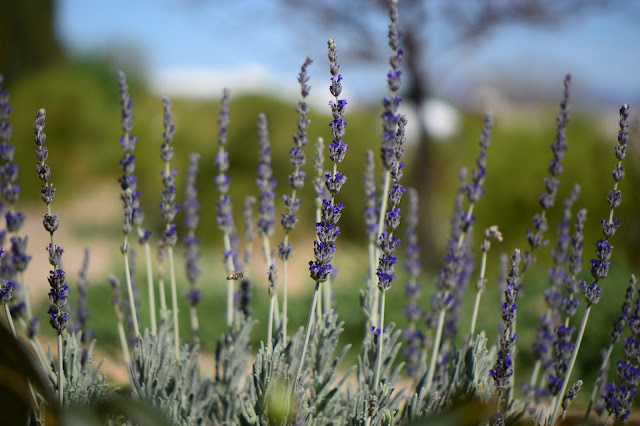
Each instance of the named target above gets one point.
<point>224,213</point>
<point>454,274</point>
<point>59,293</point>
<point>626,315</point>
<point>600,265</point>
<point>17,262</point>
<point>413,336</point>
<point>326,229</point>
<point>296,180</point>
<point>547,348</point>
<point>619,394</point>
<point>551,183</point>
<point>503,369</point>
<point>169,210</point>
<point>191,241</point>
<point>393,138</point>
<point>133,213</point>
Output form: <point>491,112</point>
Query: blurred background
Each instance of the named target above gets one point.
<point>462,58</point>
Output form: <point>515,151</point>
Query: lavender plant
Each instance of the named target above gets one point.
<point>327,230</point>
<point>393,137</point>
<point>169,210</point>
<point>59,293</point>
<point>266,213</point>
<point>296,180</point>
<point>224,215</point>
<point>129,184</point>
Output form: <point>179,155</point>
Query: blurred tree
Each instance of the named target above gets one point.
<point>28,40</point>
<point>468,22</point>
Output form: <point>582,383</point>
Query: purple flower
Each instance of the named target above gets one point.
<point>59,292</point>
<point>191,220</point>
<point>551,183</point>
<point>503,370</point>
<point>266,182</point>
<point>127,163</point>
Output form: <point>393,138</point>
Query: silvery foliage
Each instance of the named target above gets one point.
<point>232,360</point>
<point>84,385</point>
<point>272,396</point>
<point>388,400</point>
<point>326,404</point>
<point>177,390</point>
<point>467,379</point>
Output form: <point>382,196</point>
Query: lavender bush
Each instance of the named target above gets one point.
<point>296,376</point>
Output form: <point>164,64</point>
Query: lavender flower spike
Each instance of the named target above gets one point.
<point>169,210</point>
<point>551,183</point>
<point>413,311</point>
<point>296,180</point>
<point>266,201</point>
<point>59,293</point>
<point>129,181</point>
<point>503,370</point>
<point>393,138</point>
<point>191,242</point>
<point>327,229</point>
<point>224,213</point>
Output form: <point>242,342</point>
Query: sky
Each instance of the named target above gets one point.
<point>197,47</point>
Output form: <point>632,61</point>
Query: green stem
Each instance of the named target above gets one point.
<point>25,294</point>
<point>132,302</point>
<point>308,333</point>
<point>373,290</point>
<point>476,305</point>
<point>269,260</point>
<point>436,347</point>
<point>326,291</point>
<point>174,304</point>
<point>534,373</point>
<point>152,296</point>
<point>284,296</point>
<point>230,283</point>
<point>60,371</point>
<point>380,340</point>
<point>601,376</point>
<point>195,325</point>
<point>372,269</point>
<point>270,323</point>
<point>163,298</point>
<point>12,327</point>
<point>123,344</point>
<point>574,355</point>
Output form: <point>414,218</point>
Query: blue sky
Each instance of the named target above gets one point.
<point>195,47</point>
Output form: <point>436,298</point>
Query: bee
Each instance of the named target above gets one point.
<point>235,275</point>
